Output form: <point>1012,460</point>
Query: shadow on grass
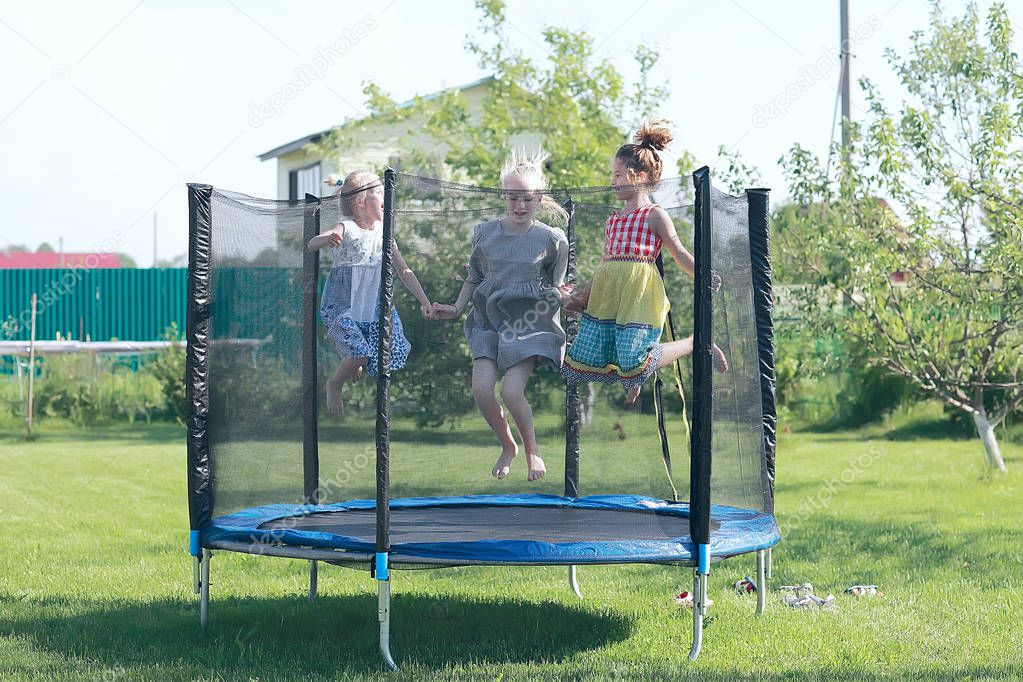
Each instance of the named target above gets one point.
<point>291,636</point>
<point>336,637</point>
<point>928,429</point>
<point>884,545</point>
<point>140,432</point>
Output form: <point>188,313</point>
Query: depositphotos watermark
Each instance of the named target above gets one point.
<point>310,72</point>
<point>57,288</point>
<point>821,500</point>
<point>810,75</point>
<point>543,309</point>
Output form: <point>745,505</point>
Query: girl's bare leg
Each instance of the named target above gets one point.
<point>672,351</point>
<point>484,380</point>
<point>513,392</point>
<point>349,369</point>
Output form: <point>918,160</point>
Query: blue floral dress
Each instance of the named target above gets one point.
<point>350,303</point>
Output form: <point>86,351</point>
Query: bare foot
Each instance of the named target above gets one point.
<point>720,364</point>
<point>503,465</point>
<point>334,404</point>
<point>631,396</point>
<point>536,467</point>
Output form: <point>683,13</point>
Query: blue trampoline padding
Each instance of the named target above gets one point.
<point>736,531</point>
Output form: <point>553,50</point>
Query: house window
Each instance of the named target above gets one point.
<point>302,181</point>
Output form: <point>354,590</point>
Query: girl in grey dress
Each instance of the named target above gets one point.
<point>516,282</point>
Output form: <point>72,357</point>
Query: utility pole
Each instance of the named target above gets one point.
<point>844,44</point>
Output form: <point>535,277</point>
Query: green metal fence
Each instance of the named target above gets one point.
<point>94,305</point>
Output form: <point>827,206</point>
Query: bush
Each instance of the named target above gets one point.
<point>168,370</point>
<point>822,382</point>
<point>87,389</point>
<point>869,393</point>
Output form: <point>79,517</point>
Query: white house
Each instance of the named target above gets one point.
<point>300,169</point>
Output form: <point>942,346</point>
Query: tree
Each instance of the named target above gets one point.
<point>578,107</point>
<point>951,162</point>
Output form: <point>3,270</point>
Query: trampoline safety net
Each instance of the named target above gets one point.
<point>266,344</point>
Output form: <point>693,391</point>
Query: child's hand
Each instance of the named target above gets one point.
<point>576,303</point>
<point>427,311</point>
<point>442,311</point>
<point>715,281</point>
<point>332,239</point>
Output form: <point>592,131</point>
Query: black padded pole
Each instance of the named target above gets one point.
<point>700,458</point>
<point>310,278</point>
<point>760,256</point>
<point>383,430</point>
<point>573,405</point>
<point>197,332</point>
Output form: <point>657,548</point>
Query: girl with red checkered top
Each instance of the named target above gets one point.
<point>624,307</point>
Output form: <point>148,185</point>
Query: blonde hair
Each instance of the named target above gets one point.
<point>529,167</point>
<point>642,156</point>
<point>353,184</point>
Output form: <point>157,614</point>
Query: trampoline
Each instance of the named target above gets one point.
<point>268,475</point>
<point>526,530</point>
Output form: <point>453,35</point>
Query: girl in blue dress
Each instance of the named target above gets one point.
<point>350,303</point>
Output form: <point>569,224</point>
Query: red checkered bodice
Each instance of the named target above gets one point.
<point>628,236</point>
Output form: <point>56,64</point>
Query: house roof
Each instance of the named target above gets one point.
<point>295,145</point>
<point>49,259</point>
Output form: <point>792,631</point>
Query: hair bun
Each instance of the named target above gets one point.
<point>654,133</point>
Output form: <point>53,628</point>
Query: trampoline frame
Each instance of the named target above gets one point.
<point>198,405</point>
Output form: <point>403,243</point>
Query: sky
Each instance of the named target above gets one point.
<point>108,109</point>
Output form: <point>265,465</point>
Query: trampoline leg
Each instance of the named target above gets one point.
<point>312,581</point>
<point>204,590</point>
<point>767,572</point>
<point>384,616</point>
<point>699,611</point>
<point>761,580</point>
<point>573,581</point>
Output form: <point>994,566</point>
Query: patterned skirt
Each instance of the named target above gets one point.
<point>620,332</point>
<point>354,339</point>
<point>341,310</point>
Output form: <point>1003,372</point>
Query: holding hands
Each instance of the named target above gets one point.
<point>574,303</point>
<point>444,311</point>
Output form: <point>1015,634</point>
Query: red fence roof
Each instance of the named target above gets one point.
<point>51,259</point>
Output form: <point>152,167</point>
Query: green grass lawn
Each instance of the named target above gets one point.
<point>95,580</point>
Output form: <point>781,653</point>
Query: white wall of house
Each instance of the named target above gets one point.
<point>380,146</point>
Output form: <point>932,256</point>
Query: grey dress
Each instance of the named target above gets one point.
<point>516,307</point>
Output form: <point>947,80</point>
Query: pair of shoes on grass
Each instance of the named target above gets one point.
<point>802,597</point>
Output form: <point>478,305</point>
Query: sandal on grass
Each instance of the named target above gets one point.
<point>685,600</point>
